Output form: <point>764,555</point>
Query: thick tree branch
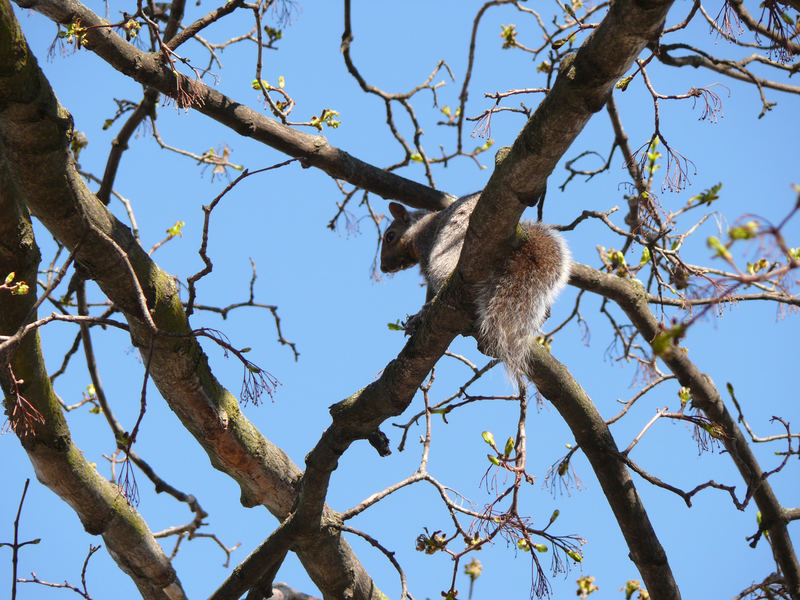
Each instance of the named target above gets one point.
<point>34,129</point>
<point>58,463</point>
<point>580,90</point>
<point>632,299</point>
<point>314,150</point>
<point>555,382</point>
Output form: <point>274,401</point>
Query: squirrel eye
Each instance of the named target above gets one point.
<point>388,236</point>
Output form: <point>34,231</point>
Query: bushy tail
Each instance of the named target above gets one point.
<point>513,304</point>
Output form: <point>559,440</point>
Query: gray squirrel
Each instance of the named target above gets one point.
<point>512,304</point>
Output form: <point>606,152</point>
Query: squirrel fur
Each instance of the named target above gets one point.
<point>512,304</point>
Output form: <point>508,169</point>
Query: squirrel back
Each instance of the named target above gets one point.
<point>513,303</point>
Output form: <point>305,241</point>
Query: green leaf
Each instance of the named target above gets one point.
<point>744,232</point>
<point>509,35</point>
<point>760,265</point>
<point>667,338</point>
<point>622,84</point>
<point>484,147</point>
<point>473,569</point>
<point>721,251</point>
<point>274,34</point>
<point>707,196</point>
<point>685,394</point>
<point>509,446</point>
<point>176,229</point>
<point>645,256</point>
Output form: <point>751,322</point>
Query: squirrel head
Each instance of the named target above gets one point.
<point>397,247</point>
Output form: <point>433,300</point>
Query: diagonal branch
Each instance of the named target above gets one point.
<point>580,90</point>
<point>313,150</point>
<point>582,87</point>
<point>556,383</point>
<point>35,131</point>
<point>632,299</point>
<point>58,463</point>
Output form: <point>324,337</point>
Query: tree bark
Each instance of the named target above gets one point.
<point>180,369</point>
<point>34,130</point>
<point>632,299</point>
<point>35,414</point>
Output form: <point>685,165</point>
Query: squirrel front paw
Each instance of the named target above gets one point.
<point>413,321</point>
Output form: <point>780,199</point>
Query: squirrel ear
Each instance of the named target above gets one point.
<point>398,211</point>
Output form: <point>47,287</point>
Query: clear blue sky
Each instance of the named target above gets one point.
<point>337,315</point>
